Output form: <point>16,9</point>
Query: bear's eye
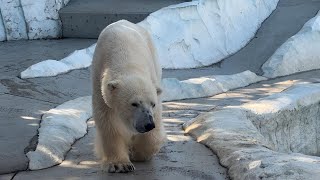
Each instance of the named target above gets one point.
<point>135,104</point>
<point>153,104</point>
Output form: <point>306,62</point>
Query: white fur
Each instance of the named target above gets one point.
<point>125,67</point>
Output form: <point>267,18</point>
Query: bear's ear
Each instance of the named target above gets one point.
<point>108,90</point>
<point>112,85</point>
<point>159,90</point>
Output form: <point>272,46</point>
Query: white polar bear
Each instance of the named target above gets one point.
<point>126,99</point>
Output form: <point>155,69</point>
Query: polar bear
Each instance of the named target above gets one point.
<point>126,97</point>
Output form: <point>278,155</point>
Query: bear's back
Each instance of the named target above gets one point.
<point>124,48</point>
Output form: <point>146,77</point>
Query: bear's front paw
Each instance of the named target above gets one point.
<point>119,167</point>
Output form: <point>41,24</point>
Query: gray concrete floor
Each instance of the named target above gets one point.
<point>6,176</point>
<point>181,157</point>
<point>24,101</point>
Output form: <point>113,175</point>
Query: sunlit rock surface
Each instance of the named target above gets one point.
<point>267,138</point>
<point>76,60</point>
<point>59,129</point>
<point>173,89</point>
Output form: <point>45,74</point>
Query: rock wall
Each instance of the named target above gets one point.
<point>30,19</point>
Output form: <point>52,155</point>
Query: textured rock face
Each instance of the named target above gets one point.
<point>248,138</point>
<point>289,120</point>
<point>42,18</point>
<point>60,127</point>
<point>13,19</point>
<point>297,54</point>
<point>30,19</point>
<point>293,130</point>
<point>203,32</point>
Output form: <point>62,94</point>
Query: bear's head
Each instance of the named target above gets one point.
<point>134,99</point>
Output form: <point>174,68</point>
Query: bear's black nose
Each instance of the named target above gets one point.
<point>149,126</point>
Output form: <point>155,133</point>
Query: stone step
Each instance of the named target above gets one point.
<point>86,18</point>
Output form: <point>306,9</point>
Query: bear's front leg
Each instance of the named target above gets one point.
<point>113,151</point>
<point>146,145</point>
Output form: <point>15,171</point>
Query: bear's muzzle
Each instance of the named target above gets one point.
<point>145,123</point>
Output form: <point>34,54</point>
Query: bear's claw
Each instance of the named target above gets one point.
<point>120,168</point>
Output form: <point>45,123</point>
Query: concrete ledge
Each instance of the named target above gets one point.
<point>86,19</point>
<point>236,135</point>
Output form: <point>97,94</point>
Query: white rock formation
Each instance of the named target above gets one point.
<point>30,19</point>
<point>76,60</point>
<point>299,53</point>
<point>45,68</point>
<point>289,120</point>
<point>60,127</point>
<point>13,19</point>
<point>200,33</point>
<point>42,18</point>
<point>80,58</point>
<point>173,89</point>
<point>250,140</point>
<point>197,33</point>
